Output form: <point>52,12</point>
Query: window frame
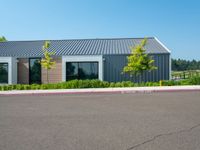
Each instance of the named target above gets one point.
<point>78,78</point>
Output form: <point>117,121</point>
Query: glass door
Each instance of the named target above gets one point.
<point>34,71</point>
<point>3,73</point>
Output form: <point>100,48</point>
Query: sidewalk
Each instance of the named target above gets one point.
<point>102,90</point>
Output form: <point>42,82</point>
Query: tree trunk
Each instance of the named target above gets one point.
<point>47,76</point>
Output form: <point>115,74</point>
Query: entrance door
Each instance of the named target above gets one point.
<point>34,71</point>
<point>3,73</point>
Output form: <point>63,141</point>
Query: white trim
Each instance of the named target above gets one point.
<point>79,58</point>
<point>162,44</point>
<point>170,64</point>
<point>170,68</point>
<point>12,69</point>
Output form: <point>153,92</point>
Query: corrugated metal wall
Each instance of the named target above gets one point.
<point>113,66</point>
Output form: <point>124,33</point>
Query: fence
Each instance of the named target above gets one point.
<point>185,74</point>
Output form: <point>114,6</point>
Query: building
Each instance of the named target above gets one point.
<point>101,59</point>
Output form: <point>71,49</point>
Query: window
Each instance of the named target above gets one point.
<point>81,70</point>
<point>4,73</point>
<point>72,71</point>
<point>34,71</point>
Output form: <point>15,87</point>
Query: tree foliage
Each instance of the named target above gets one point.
<point>3,39</point>
<point>139,61</point>
<point>181,65</point>
<point>47,62</point>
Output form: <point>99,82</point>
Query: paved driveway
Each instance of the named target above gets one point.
<point>156,121</point>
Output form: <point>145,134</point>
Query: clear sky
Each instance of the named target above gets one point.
<point>175,22</point>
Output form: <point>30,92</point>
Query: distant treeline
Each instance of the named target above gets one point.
<point>181,65</point>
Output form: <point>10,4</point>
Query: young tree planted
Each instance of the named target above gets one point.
<point>3,39</point>
<point>47,62</point>
<point>139,61</point>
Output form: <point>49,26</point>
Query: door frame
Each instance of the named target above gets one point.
<point>30,70</point>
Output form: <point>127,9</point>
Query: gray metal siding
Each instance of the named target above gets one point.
<point>113,66</point>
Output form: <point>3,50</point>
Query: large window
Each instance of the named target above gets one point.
<point>81,70</point>
<point>3,73</point>
<point>34,71</point>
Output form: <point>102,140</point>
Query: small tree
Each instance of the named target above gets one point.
<point>3,39</point>
<point>139,61</point>
<point>47,62</point>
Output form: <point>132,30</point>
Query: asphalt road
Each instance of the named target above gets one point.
<point>156,121</point>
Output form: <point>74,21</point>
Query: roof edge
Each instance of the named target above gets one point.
<point>162,44</point>
<point>81,39</point>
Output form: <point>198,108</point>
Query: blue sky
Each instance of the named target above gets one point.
<point>175,22</point>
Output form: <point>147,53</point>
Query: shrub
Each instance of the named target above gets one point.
<point>44,86</point>
<point>112,84</point>
<point>70,84</point>
<point>142,84</point>
<point>84,84</point>
<point>169,83</point>
<point>194,80</point>
<point>136,85</point>
<point>117,84</point>
<point>9,87</point>
<point>127,84</point>
<point>14,86</point>
<point>50,86</point>
<point>155,84</point>
<point>74,84</point>
<point>185,82</point>
<point>4,88</point>
<point>104,84</point>
<point>34,86</point>
<point>19,87</point>
<point>149,83</point>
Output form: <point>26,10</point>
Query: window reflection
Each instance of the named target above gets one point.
<point>81,70</point>
<point>4,73</point>
<point>35,71</point>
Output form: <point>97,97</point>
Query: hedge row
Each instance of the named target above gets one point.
<point>74,84</point>
<point>191,81</point>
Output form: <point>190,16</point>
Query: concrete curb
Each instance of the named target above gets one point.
<point>101,90</point>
